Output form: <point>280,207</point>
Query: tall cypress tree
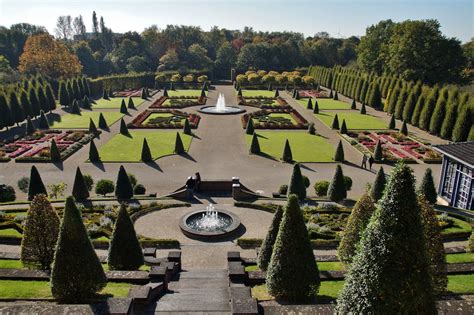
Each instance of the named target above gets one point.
<point>339,154</point>
<point>25,103</point>
<point>131,104</point>
<point>54,153</point>
<point>266,250</point>
<point>378,151</point>
<point>287,155</point>
<point>102,122</point>
<point>178,145</point>
<point>64,98</point>
<point>86,86</point>
<point>105,95</point>
<point>296,185</point>
<point>187,127</point>
<point>439,113</point>
<point>93,152</point>
<point>375,97</point>
<point>43,121</point>
<point>255,145</point>
<point>463,123</point>
<point>6,118</point>
<point>50,97</point>
<point>451,114</point>
<point>70,91</point>
<point>76,89</point>
<point>337,189</point>
<point>42,100</point>
<point>79,189</point>
<point>125,252</point>
<point>335,122</point>
<point>401,101</point>
<point>36,185</point>
<point>146,152</point>
<point>123,186</point>
<point>75,255</point>
<point>123,107</point>
<point>427,187</point>
<point>17,111</point>
<point>392,101</point>
<point>30,127</point>
<point>378,186</point>
<point>123,128</point>
<point>292,273</point>
<point>391,263</point>
<point>250,127</point>
<point>428,108</point>
<point>411,102</point>
<point>316,107</point>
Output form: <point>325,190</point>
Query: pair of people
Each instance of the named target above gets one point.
<point>193,182</point>
<point>364,161</point>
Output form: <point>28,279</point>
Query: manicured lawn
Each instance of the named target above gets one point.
<point>164,115</point>
<point>460,258</point>
<point>10,232</point>
<point>354,120</point>
<point>275,116</point>
<point>178,93</point>
<point>256,93</point>
<point>328,289</point>
<point>72,121</point>
<point>42,289</point>
<point>461,283</point>
<point>115,102</point>
<point>305,147</point>
<point>10,264</point>
<point>458,226</point>
<point>128,148</point>
<point>325,103</point>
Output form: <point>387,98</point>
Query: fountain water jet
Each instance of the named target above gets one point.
<point>221,108</point>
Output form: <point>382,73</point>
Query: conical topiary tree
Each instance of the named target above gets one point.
<point>343,129</point>
<point>40,234</point>
<point>427,187</point>
<point>287,155</point>
<point>250,127</point>
<point>131,104</point>
<point>337,189</point>
<point>378,152</point>
<point>75,109</point>
<point>363,111</point>
<point>187,127</point>
<point>390,272</point>
<point>86,103</point>
<point>74,255</point>
<point>30,127</point>
<point>146,152</point>
<point>93,152</point>
<point>255,145</point>
<point>376,191</point>
<point>165,92</point>
<point>266,250</point>
<point>54,153</point>
<point>123,186</point>
<point>297,95</point>
<point>297,185</point>
<point>404,129</point>
<point>309,105</point>
<point>463,122</point>
<point>102,122</point>
<point>125,252</point>
<point>353,104</point>
<point>331,95</point>
<point>277,93</point>
<point>36,185</point>
<point>144,96</point>
<point>79,189</point>
<point>335,122</point>
<point>339,154</point>
<point>292,273</point>
<point>434,246</point>
<point>123,128</point>
<point>92,126</point>
<point>105,94</point>
<point>391,124</point>
<point>63,94</point>
<point>123,107</point>
<point>316,108</point>
<point>311,129</point>
<point>336,97</point>
<point>178,145</point>
<point>43,121</point>
<point>356,224</point>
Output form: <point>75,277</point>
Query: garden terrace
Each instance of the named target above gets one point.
<point>284,118</point>
<point>36,147</point>
<point>128,148</point>
<point>164,119</point>
<point>263,102</point>
<point>304,146</point>
<point>325,103</point>
<point>178,102</point>
<point>395,146</point>
<point>354,120</point>
<point>114,102</point>
<point>82,120</point>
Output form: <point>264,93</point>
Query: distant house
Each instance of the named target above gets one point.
<point>456,184</point>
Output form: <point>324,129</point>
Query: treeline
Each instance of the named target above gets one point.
<point>441,110</point>
<point>24,100</point>
<point>73,89</point>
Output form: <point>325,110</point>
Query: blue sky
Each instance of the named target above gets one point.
<point>337,17</point>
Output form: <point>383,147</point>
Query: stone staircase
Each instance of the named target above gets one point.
<point>198,291</point>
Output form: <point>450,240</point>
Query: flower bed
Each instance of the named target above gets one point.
<point>278,118</point>
<point>263,102</point>
<point>164,119</point>
<point>178,102</point>
<point>36,147</point>
<point>314,93</point>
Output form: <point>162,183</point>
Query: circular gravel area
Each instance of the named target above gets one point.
<point>165,223</point>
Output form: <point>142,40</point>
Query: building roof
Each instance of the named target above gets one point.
<point>461,151</point>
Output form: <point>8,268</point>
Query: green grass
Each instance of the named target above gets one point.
<point>41,289</point>
<point>10,232</point>
<point>354,120</point>
<point>461,283</point>
<point>325,103</point>
<point>128,149</point>
<point>256,93</point>
<point>115,102</point>
<point>179,93</point>
<point>458,226</point>
<point>72,121</point>
<point>165,115</point>
<point>305,147</point>
<point>328,289</point>
<point>460,258</point>
<point>10,264</point>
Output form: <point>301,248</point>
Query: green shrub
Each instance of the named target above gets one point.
<point>309,105</point>
<point>146,152</point>
<point>363,111</point>
<point>104,187</point>
<point>187,127</point>
<point>123,128</point>
<point>287,156</point>
<point>7,193</point>
<point>404,129</point>
<point>255,145</point>
<point>337,189</point>
<point>343,129</point>
<point>321,188</point>
<point>93,152</point>
<point>463,123</point>
<point>54,153</point>
<point>75,109</point>
<point>123,107</point>
<point>392,124</point>
<point>92,126</point>
<point>316,108</point>
<point>30,128</point>
<point>36,185</point>
<point>283,190</point>
<point>427,187</point>
<point>353,104</point>
<point>348,183</point>
<point>339,155</point>
<point>378,186</point>
<point>470,244</point>
<point>297,185</point>
<point>139,189</point>
<point>79,189</point>
<point>378,151</point>
<point>311,129</point>
<point>266,249</point>
<point>402,98</point>
<point>428,108</point>
<point>123,187</point>
<point>102,122</point>
<point>131,104</point>
<point>250,128</point>
<point>43,121</point>
<point>335,122</point>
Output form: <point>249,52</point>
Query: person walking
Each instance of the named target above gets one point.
<point>364,162</point>
<point>197,181</point>
<point>371,161</point>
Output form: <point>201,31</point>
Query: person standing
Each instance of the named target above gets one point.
<point>371,161</point>
<point>364,161</point>
<point>197,181</point>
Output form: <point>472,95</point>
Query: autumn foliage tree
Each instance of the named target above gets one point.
<point>43,54</point>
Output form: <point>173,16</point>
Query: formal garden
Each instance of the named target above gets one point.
<point>354,120</point>
<point>275,119</point>
<point>115,102</point>
<point>164,119</point>
<point>82,119</point>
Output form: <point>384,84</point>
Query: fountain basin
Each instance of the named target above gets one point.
<point>229,110</point>
<point>193,224</point>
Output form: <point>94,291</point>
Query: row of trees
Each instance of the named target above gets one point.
<point>262,77</point>
<point>73,89</point>
<point>443,112</point>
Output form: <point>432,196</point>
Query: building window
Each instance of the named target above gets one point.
<point>449,179</point>
<point>464,192</point>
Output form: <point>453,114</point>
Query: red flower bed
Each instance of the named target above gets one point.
<point>138,122</point>
<point>313,93</point>
<point>301,123</point>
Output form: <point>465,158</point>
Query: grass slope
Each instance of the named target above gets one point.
<point>354,120</point>
<point>128,149</point>
<point>72,121</point>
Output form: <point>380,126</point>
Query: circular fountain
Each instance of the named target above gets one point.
<point>221,108</point>
<point>209,223</point>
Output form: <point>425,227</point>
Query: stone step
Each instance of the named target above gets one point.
<point>194,300</point>
<point>203,274</point>
<point>198,283</point>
